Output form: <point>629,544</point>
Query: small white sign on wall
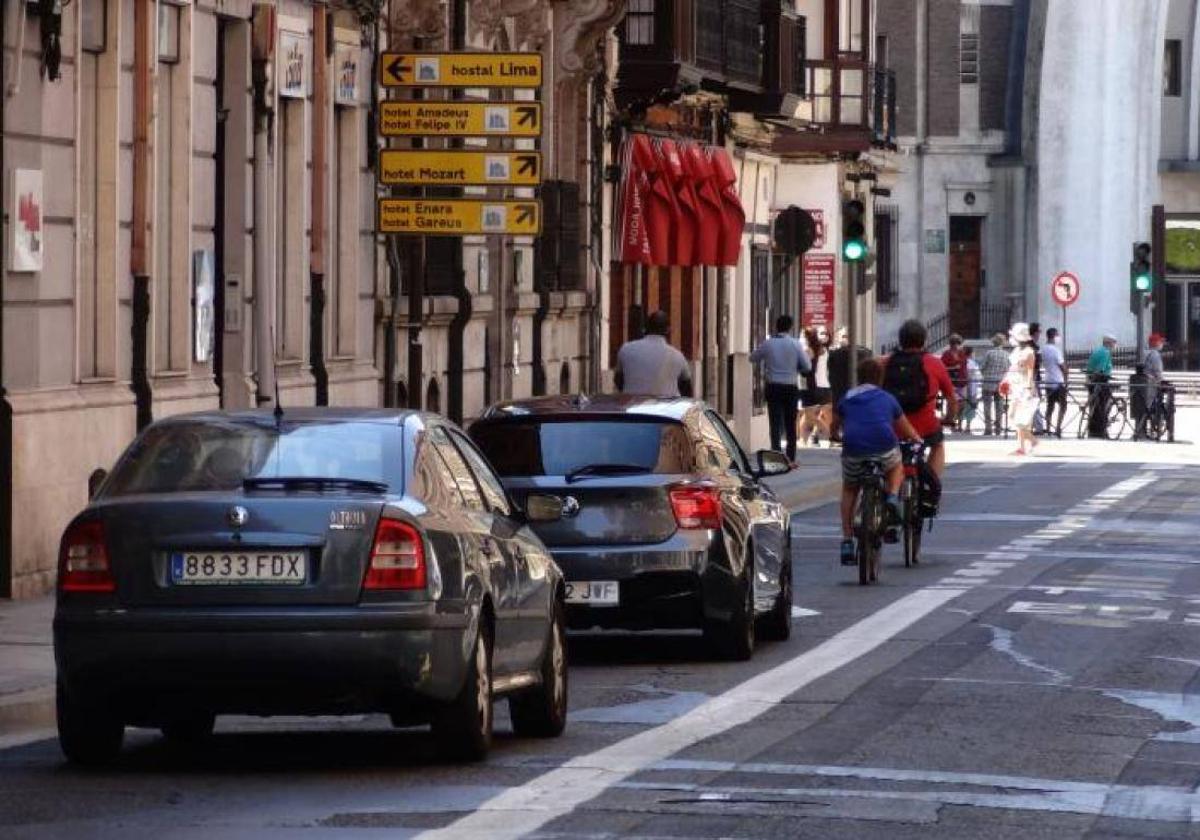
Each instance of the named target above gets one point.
<point>346,62</point>
<point>28,243</point>
<point>293,64</point>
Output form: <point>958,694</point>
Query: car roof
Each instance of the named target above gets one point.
<point>593,406</point>
<point>299,415</point>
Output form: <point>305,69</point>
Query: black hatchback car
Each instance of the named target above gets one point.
<point>666,523</point>
<point>317,562</point>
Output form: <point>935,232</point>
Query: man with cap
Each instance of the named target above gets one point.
<point>1099,371</point>
<point>1152,372</point>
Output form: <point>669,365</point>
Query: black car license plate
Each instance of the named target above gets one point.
<point>222,568</point>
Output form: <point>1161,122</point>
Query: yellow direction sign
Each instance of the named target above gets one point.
<point>459,168</point>
<point>461,70</point>
<point>460,119</point>
<point>459,216</point>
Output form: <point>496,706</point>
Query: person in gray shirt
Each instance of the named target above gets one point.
<point>782,357</point>
<point>651,367</point>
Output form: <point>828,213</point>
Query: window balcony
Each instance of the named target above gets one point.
<point>848,105</point>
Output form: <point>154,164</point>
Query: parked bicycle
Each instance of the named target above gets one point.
<point>1115,409</point>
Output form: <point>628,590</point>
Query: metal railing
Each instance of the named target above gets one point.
<point>994,318</point>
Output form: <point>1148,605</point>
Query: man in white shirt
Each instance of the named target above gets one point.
<point>651,367</point>
<point>1054,380</point>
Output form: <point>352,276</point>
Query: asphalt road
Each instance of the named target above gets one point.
<point>1032,678</point>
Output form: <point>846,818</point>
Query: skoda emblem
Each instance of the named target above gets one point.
<point>570,507</point>
<point>238,516</point>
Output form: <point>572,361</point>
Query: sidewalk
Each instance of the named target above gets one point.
<point>26,665</point>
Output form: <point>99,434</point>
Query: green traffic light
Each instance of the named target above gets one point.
<point>1142,282</point>
<point>854,250</point>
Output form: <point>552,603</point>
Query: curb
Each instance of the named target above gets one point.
<point>25,711</point>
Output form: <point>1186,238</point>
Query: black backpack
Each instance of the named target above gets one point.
<point>905,379</point>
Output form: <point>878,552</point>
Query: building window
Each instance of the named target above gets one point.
<point>639,23</point>
<point>886,246</point>
<point>968,67</point>
<point>1173,69</point>
<point>850,36</point>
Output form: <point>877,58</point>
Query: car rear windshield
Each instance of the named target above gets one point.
<point>561,447</point>
<point>215,455</point>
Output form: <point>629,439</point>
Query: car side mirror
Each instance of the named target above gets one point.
<point>94,481</point>
<point>770,463</point>
<point>543,508</point>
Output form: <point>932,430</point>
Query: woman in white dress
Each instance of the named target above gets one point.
<point>1022,389</point>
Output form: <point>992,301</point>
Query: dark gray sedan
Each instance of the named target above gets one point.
<point>666,523</point>
<point>318,562</point>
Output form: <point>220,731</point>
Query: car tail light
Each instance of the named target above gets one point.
<point>696,506</point>
<point>397,558</point>
<point>84,565</point>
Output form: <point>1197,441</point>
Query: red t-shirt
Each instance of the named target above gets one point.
<point>955,362</point>
<point>926,421</point>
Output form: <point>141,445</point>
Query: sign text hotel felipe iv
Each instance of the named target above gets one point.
<point>460,167</point>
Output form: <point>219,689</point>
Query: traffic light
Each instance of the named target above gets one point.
<point>854,231</point>
<point>1141,275</point>
<point>795,231</point>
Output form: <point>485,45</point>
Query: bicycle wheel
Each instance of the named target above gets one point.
<point>1156,423</point>
<point>911,496</point>
<point>1117,418</point>
<point>864,544</point>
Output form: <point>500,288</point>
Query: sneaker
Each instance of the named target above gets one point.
<point>895,512</point>
<point>847,553</point>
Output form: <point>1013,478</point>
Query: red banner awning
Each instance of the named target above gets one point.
<point>733,216</point>
<point>677,204</point>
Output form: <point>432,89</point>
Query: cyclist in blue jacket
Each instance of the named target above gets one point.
<point>871,422</point>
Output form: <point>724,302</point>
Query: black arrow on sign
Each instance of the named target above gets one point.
<point>525,213</point>
<point>527,115</point>
<point>398,69</point>
<point>527,164</point>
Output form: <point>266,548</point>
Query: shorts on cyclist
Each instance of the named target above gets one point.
<point>856,469</point>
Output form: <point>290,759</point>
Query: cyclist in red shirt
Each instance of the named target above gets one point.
<point>915,378</point>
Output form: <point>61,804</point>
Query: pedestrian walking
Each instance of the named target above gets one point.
<point>817,412</point>
<point>873,422</point>
<point>783,358</point>
<point>916,379</point>
<point>955,361</point>
<point>840,359</point>
<point>1054,379</point>
<point>973,391</point>
<point>1035,334</point>
<point>1022,389</point>
<point>650,366</point>
<point>993,369</point>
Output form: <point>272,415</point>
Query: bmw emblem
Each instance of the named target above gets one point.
<point>238,516</point>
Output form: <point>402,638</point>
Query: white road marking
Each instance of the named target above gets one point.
<point>803,612</point>
<point>522,810</point>
<point>525,809</point>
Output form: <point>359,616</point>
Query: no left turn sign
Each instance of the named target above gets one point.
<point>1064,288</point>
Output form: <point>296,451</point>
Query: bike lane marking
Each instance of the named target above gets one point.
<point>522,810</point>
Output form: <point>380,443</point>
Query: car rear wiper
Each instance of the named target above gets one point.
<point>299,482</point>
<point>605,469</point>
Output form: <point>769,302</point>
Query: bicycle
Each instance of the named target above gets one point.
<point>1116,413</point>
<point>1156,423</point>
<point>911,502</point>
<point>870,522</point>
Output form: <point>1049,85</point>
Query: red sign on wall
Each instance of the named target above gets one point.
<point>819,217</point>
<point>817,289</point>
